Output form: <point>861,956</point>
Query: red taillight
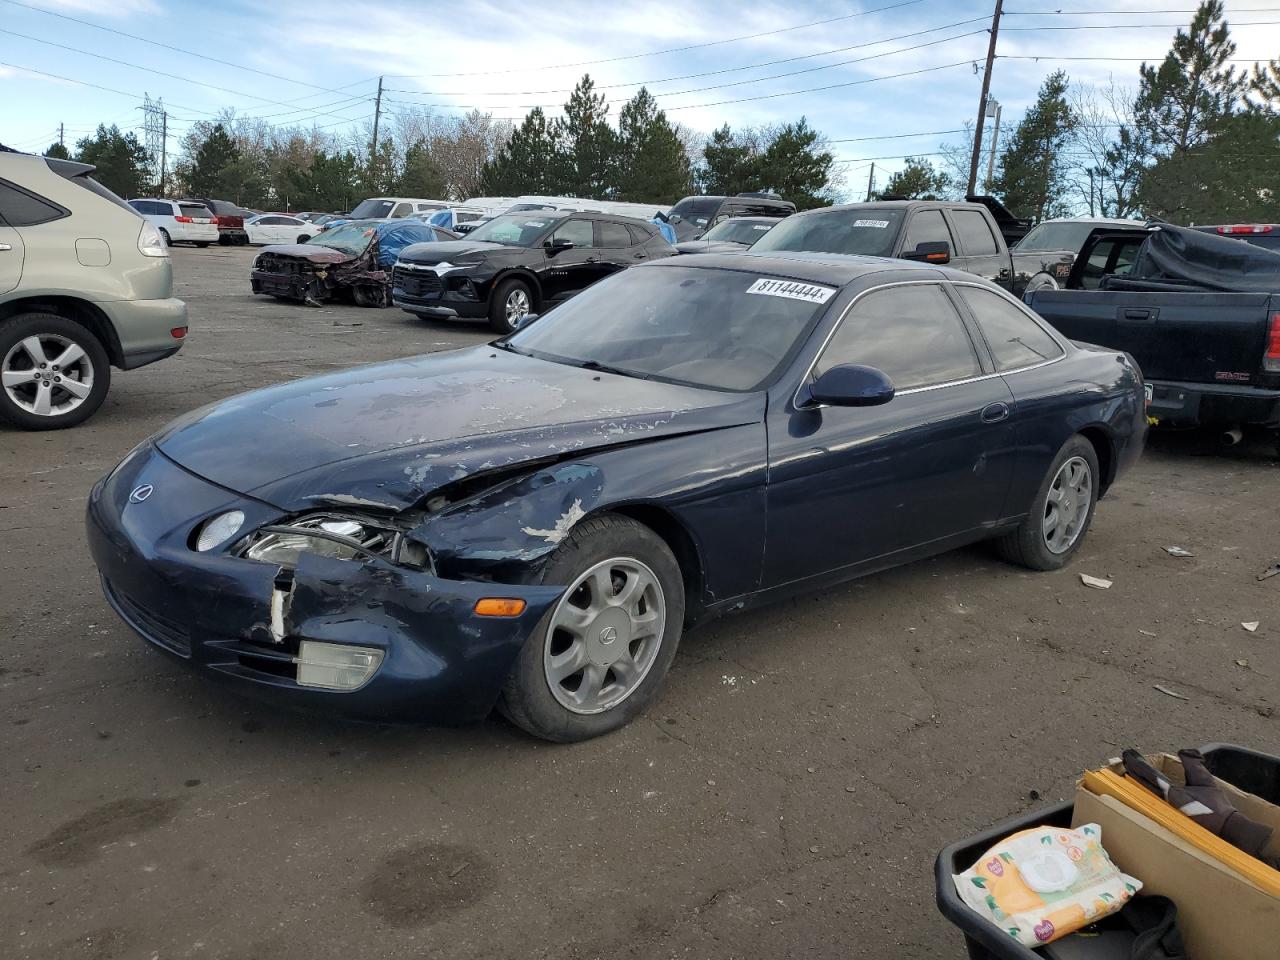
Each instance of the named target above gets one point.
<point>183,219</point>
<point>178,332</point>
<point>1246,228</point>
<point>1271,359</point>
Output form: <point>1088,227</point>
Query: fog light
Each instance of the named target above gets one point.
<point>335,666</point>
<point>219,530</point>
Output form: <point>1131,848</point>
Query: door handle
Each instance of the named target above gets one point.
<point>5,246</point>
<point>995,412</point>
<point>639,256</point>
<point>1135,313</point>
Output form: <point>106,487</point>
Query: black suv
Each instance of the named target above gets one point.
<point>694,216</point>
<point>520,263</point>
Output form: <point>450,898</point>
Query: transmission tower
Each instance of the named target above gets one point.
<point>155,133</point>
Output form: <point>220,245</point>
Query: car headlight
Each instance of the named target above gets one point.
<point>339,538</point>
<point>219,530</point>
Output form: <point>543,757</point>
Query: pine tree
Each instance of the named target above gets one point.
<point>122,162</point>
<point>57,151</point>
<point>378,176</point>
<point>651,161</point>
<point>795,166</point>
<point>210,163</point>
<point>421,176</point>
<point>1032,181</point>
<point>1184,107</point>
<point>918,179</point>
<point>588,154</point>
<point>527,162</point>
<point>1265,83</point>
<point>730,164</point>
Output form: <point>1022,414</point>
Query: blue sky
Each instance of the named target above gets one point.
<point>505,55</point>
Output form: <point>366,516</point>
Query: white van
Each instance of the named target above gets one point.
<point>451,217</point>
<point>391,208</point>
<point>180,222</point>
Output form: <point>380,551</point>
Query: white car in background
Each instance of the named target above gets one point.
<point>452,217</point>
<point>268,228</point>
<point>179,222</point>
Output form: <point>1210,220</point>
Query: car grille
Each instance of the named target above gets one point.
<point>288,266</point>
<point>156,627</point>
<point>415,283</point>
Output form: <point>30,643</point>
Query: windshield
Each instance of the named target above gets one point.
<point>1056,236</point>
<point>372,209</point>
<point>738,231</point>
<point>722,329</point>
<point>352,238</point>
<point>868,232</point>
<point>513,229</point>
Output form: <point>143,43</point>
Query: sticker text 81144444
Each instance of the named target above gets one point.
<point>792,290</point>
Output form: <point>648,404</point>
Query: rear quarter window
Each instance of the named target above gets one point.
<point>19,208</point>
<point>976,239</point>
<point>1015,338</point>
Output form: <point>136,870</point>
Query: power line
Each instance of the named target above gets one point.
<point>705,73</point>
<point>1137,26</point>
<point>658,53</point>
<point>182,50</point>
<point>1141,13</point>
<point>96,86</point>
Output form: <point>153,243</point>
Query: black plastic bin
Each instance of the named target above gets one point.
<point>1254,772</point>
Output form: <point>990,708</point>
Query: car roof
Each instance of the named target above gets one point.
<point>833,269</point>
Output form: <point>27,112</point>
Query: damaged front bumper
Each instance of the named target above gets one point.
<point>436,660</point>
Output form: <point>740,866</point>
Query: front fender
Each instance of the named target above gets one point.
<point>507,532</point>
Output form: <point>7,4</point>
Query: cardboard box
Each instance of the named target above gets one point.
<point>1222,916</point>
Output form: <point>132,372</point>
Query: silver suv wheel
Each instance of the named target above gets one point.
<point>47,375</point>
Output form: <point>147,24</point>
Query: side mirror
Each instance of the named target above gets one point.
<point>555,246</point>
<point>931,251</point>
<point>848,385</point>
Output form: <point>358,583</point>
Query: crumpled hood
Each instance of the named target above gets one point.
<point>450,250</point>
<point>309,251</point>
<point>387,435</point>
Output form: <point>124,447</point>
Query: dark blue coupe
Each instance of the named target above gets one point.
<point>533,524</point>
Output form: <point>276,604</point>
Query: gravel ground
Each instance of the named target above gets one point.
<point>785,797</point>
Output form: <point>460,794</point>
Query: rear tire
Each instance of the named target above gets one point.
<point>510,302</point>
<point>1060,513</point>
<point>369,296</point>
<point>614,684</point>
<point>305,238</point>
<point>44,398</point>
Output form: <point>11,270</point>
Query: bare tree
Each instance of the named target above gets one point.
<point>1109,151</point>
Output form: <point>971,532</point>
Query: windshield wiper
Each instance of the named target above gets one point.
<point>605,368</point>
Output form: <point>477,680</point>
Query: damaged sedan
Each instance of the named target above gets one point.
<point>531,525</point>
<point>351,262</point>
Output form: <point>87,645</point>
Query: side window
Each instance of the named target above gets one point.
<point>151,208</point>
<point>1016,340</point>
<point>927,226</point>
<point>911,332</point>
<point>21,209</point>
<point>976,239</point>
<point>402,210</point>
<point>577,232</point>
<point>637,235</point>
<point>610,234</point>
<point>272,221</point>
<point>461,216</point>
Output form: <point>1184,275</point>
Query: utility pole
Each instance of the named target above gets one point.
<point>164,146</point>
<point>871,182</point>
<point>377,115</point>
<point>995,139</point>
<point>1091,191</point>
<point>982,101</point>
<point>61,132</point>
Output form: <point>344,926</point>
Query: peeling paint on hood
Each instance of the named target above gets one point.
<point>387,435</point>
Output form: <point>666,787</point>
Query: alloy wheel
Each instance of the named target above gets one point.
<point>604,635</point>
<point>47,374</point>
<point>517,306</point>
<point>1067,506</point>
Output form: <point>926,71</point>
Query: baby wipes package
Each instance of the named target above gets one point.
<point>1041,884</point>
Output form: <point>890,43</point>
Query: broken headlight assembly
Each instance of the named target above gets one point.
<point>339,538</point>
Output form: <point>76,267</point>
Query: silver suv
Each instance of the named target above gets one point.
<point>85,285</point>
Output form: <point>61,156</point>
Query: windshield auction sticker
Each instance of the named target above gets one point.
<point>877,224</point>
<point>808,292</point>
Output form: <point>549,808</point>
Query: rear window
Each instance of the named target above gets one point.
<point>372,209</point>
<point>867,231</point>
<point>195,210</point>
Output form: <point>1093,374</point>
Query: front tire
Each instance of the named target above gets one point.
<point>599,656</point>
<point>304,238</point>
<point>1060,514</point>
<point>54,372</point>
<point>1041,281</point>
<point>510,303</point>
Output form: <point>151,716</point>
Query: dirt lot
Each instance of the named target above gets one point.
<point>785,797</point>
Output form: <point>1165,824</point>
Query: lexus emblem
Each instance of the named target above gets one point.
<point>141,493</point>
<point>608,635</point>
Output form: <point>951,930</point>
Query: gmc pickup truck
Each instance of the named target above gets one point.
<point>971,236</point>
<point>1199,312</point>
